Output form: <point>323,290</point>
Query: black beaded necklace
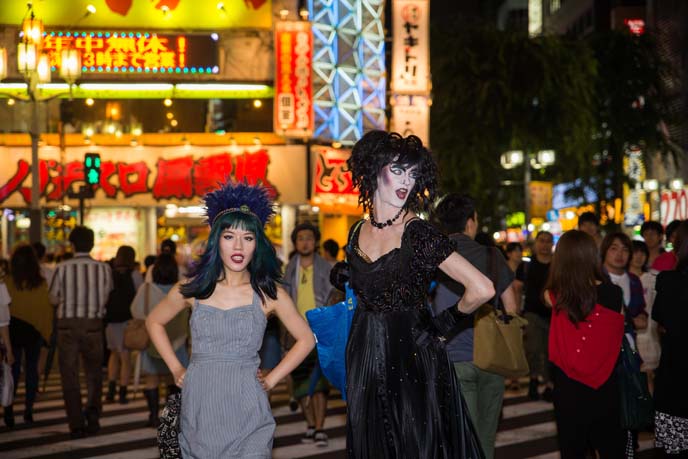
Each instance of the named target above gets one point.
<point>387,223</point>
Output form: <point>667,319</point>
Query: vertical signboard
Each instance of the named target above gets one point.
<point>410,116</point>
<point>293,115</point>
<point>411,47</point>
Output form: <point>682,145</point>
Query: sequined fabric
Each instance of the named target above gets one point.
<point>403,396</point>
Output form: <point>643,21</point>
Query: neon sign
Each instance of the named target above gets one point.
<point>135,52</point>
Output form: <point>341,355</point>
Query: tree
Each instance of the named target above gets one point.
<point>495,91</point>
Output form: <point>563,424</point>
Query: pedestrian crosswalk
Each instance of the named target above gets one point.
<point>526,430</point>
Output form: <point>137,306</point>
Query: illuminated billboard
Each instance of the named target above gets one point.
<point>138,52</point>
<point>158,14</point>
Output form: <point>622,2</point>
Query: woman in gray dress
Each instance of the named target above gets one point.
<point>232,290</point>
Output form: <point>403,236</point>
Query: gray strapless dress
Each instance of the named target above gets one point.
<point>225,411</point>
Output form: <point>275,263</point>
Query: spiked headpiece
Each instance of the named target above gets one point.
<point>239,197</point>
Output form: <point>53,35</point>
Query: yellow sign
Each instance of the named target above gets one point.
<point>151,14</point>
<point>540,199</point>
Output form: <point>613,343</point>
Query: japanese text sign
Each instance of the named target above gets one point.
<point>410,46</point>
<point>293,115</point>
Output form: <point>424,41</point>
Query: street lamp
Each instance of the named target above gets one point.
<point>34,66</point>
<point>514,158</point>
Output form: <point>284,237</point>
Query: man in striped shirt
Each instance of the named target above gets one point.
<point>81,285</point>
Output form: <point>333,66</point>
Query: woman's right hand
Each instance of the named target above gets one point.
<point>179,376</point>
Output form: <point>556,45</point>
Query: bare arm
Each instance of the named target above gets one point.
<point>509,300</point>
<point>518,293</point>
<point>299,329</point>
<point>165,311</point>
<point>640,321</point>
<point>479,288</point>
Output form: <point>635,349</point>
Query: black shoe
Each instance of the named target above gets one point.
<point>309,436</point>
<point>547,395</point>
<point>8,415</point>
<point>92,421</point>
<point>123,395</point>
<point>153,401</point>
<point>112,386</point>
<point>77,434</point>
<point>28,416</point>
<point>293,404</point>
<point>533,390</point>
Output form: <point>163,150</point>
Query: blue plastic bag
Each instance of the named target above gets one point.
<point>331,325</point>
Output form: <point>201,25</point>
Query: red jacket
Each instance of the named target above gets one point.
<point>586,352</point>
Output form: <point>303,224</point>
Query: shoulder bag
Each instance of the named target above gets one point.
<point>135,334</point>
<point>331,325</point>
<point>498,336</point>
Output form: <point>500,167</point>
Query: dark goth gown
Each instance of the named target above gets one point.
<point>403,396</point>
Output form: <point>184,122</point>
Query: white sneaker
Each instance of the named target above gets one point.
<point>309,436</point>
<point>320,438</point>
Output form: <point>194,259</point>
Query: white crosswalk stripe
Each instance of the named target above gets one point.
<point>527,430</point>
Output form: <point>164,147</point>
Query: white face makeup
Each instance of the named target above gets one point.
<point>395,182</point>
<point>236,248</point>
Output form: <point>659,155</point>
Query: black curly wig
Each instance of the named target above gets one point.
<point>375,150</point>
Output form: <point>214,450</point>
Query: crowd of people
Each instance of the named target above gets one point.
<point>225,330</point>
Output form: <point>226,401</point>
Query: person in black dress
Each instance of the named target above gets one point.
<point>403,396</point>
<point>670,310</point>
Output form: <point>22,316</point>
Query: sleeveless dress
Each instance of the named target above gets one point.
<point>403,395</point>
<point>225,411</point>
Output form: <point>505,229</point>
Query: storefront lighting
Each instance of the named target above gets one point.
<point>511,159</point>
<point>531,227</point>
<point>23,223</point>
<point>169,115</point>
<point>167,102</point>
<point>90,102</point>
<point>336,145</point>
<point>170,210</point>
<point>174,123</point>
<point>10,102</point>
<point>546,226</point>
<point>651,185</point>
<point>27,57</point>
<point>257,103</point>
<point>256,141</point>
<point>126,86</point>
<point>676,184</point>
<point>43,69</point>
<point>137,131</point>
<point>496,235</point>
<point>191,210</point>
<point>70,66</point>
<point>284,13</point>
<point>214,36</point>
<point>32,29</point>
<point>91,9</point>
<point>221,6</point>
<point>110,128</point>
<point>88,132</point>
<point>570,215</point>
<point>315,209</point>
<point>303,12</point>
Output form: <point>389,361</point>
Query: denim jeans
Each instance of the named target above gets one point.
<point>31,352</point>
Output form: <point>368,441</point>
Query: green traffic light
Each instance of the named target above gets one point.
<point>93,177</point>
<point>88,161</point>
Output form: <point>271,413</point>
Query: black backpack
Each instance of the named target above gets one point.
<point>119,301</point>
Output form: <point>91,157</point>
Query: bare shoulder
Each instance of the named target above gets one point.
<point>547,297</point>
<point>271,305</point>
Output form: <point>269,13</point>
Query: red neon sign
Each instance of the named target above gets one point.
<point>636,26</point>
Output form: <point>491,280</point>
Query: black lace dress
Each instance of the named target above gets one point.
<point>403,396</point>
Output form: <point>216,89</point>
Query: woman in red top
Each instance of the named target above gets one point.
<point>584,344</point>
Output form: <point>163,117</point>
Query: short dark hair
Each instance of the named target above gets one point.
<point>652,225</point>
<point>168,246</point>
<point>82,237</point>
<point>453,212</point>
<point>305,226</point>
<point>671,227</point>
<point>511,246</point>
<point>609,240</point>
<point>588,217</point>
<point>165,269</point>
<point>39,248</point>
<point>640,246</point>
<point>149,261</point>
<point>330,246</point>
<point>544,233</point>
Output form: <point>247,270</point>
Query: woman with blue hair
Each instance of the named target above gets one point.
<point>232,290</point>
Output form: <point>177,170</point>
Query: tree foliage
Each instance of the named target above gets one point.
<point>494,91</point>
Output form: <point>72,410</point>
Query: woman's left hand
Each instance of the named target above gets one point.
<point>263,380</point>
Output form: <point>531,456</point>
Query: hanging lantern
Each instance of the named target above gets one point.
<point>43,69</point>
<point>27,57</point>
<point>70,65</point>
<point>32,29</point>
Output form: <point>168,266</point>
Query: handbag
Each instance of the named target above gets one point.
<point>6,380</point>
<point>331,325</point>
<point>637,407</point>
<point>498,336</point>
<point>168,429</point>
<point>135,334</point>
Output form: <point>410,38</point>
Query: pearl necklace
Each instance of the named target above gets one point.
<point>387,223</point>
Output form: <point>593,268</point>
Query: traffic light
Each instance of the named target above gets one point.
<point>92,168</point>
